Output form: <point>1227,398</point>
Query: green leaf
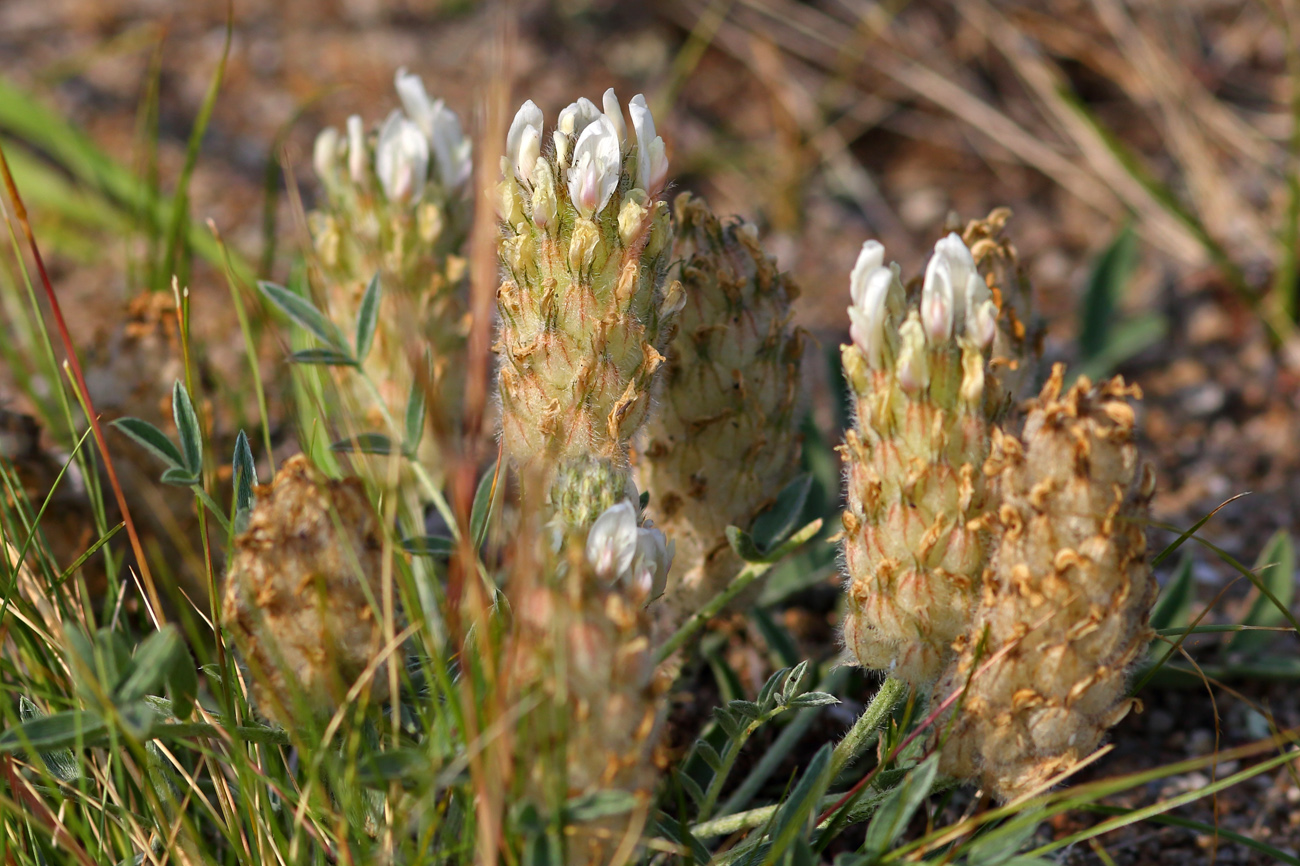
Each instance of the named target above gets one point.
<point>1276,571</point>
<point>691,787</point>
<point>413,428</point>
<point>61,763</point>
<point>813,699</point>
<point>435,546</point>
<point>744,545</point>
<point>1109,280</point>
<point>774,682</point>
<point>182,683</point>
<point>748,709</point>
<point>727,722</point>
<point>798,812</point>
<point>895,812</point>
<point>187,425</point>
<point>55,731</point>
<point>485,497</point>
<point>322,358</point>
<point>179,478</point>
<point>366,443</point>
<point>152,439</point>
<point>1000,849</point>
<point>368,318</point>
<point>708,754</point>
<point>245,476</point>
<point>152,663</point>
<point>776,523</point>
<point>305,313</point>
<point>380,769</point>
<point>1173,609</point>
<point>598,804</point>
<point>1127,339</point>
<point>113,662</point>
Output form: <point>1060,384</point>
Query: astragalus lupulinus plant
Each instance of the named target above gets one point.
<point>1064,615</point>
<point>397,208</point>
<point>724,439</point>
<point>924,396</point>
<point>586,311</point>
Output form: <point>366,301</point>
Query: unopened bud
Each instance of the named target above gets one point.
<point>544,201</point>
<point>582,246</point>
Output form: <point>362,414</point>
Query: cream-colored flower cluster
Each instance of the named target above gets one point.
<point>397,207</point>
<point>924,397</point>
<point>586,308</point>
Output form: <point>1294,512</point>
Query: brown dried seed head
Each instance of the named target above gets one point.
<point>724,439</point>
<point>301,591</point>
<point>1070,595</point>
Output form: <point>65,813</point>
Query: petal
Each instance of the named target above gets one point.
<point>528,117</point>
<point>614,112</point>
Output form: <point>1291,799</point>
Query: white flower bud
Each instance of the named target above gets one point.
<point>614,112</point>
<point>401,159</point>
<point>596,165</point>
<point>652,561</point>
<point>544,200</point>
<point>651,162</point>
<point>612,541</point>
<point>358,158</point>
<point>632,218</point>
<point>452,151</point>
<point>951,290</point>
<point>876,294</point>
<point>982,326</point>
<point>325,157</point>
<point>524,140</point>
<point>913,365</point>
<point>578,116</point>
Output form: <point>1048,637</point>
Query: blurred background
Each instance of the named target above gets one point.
<point>1148,151</point>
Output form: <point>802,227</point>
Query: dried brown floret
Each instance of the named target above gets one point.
<point>302,591</point>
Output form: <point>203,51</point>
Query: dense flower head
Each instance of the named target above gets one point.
<point>396,207</point>
<point>420,143</point>
<point>926,390</point>
<point>585,307</point>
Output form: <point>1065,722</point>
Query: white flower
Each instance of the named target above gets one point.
<point>952,288</point>
<point>612,541</point>
<point>401,159</point>
<point>524,141</point>
<point>653,559</point>
<point>451,149</point>
<point>595,170</point>
<point>614,112</point>
<point>358,159</point>
<point>576,117</point>
<point>876,292</point>
<point>651,162</point>
<point>325,156</point>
